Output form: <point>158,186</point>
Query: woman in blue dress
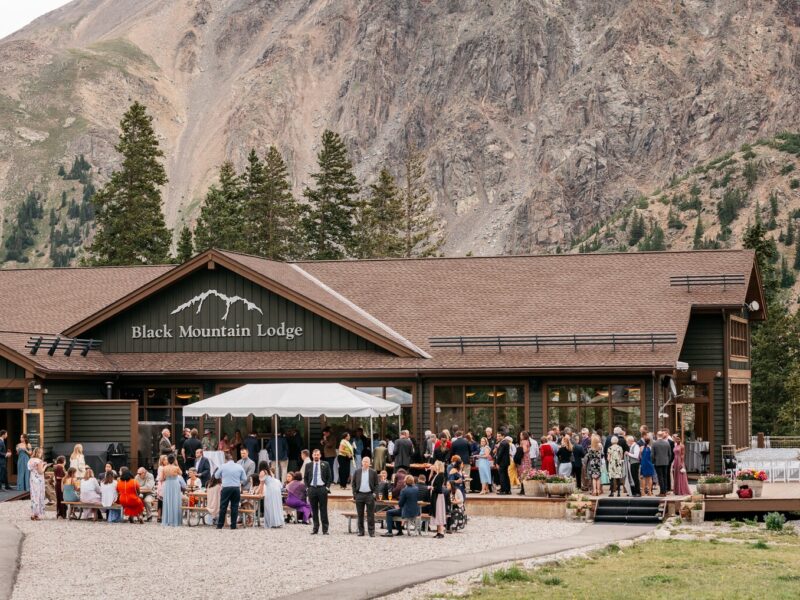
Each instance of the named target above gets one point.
<point>273,498</point>
<point>173,484</point>
<point>647,470</point>
<point>23,456</point>
<point>485,466</point>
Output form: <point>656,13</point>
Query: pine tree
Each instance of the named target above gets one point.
<point>789,237</point>
<point>422,232</point>
<point>637,229</point>
<point>755,238</point>
<point>787,274</point>
<point>128,212</point>
<point>797,257</point>
<point>271,212</point>
<point>185,246</point>
<point>219,223</point>
<point>699,231</point>
<point>331,207</point>
<point>381,228</point>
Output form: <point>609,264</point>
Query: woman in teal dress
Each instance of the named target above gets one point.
<point>485,466</point>
<point>23,456</point>
<point>172,513</point>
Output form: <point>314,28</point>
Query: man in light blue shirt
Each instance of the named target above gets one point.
<point>232,476</point>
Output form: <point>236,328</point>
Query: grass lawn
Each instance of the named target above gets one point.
<point>766,566</point>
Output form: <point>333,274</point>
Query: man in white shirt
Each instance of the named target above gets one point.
<point>365,482</point>
<point>146,481</point>
<point>305,457</point>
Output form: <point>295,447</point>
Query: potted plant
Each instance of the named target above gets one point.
<point>572,511</point>
<point>698,513</point>
<point>715,485</point>
<point>752,478</point>
<point>534,483</point>
<point>557,485</point>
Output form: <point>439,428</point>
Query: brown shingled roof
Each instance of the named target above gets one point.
<point>414,300</point>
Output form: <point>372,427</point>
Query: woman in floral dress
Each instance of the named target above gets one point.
<point>36,466</point>
<point>525,465</point>
<point>594,465</point>
<point>615,470</point>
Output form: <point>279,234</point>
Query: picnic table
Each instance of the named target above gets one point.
<point>196,511</point>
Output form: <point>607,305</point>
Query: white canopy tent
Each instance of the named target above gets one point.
<point>292,400</point>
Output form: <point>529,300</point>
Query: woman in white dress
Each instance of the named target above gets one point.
<point>90,492</point>
<point>273,498</point>
<point>78,461</point>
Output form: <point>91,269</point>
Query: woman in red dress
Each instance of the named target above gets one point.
<point>548,457</point>
<point>128,496</point>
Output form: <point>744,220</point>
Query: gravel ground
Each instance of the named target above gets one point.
<point>85,560</point>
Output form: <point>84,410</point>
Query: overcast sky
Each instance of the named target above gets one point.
<point>15,14</point>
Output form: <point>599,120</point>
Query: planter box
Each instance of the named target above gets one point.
<point>715,489</point>
<point>559,489</point>
<point>756,485</point>
<point>534,488</point>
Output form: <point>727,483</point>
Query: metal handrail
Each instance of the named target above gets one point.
<point>56,342</point>
<point>688,281</point>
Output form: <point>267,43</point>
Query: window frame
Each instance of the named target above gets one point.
<point>599,382</point>
<point>736,341</point>
<point>465,405</point>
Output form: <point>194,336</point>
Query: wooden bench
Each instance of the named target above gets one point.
<point>351,516</point>
<point>75,509</point>
<point>418,522</point>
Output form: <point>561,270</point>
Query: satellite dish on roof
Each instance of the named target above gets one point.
<point>754,306</point>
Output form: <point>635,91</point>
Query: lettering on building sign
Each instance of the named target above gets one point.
<point>164,331</point>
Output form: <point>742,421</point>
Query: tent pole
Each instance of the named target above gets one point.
<point>275,433</point>
<point>370,438</point>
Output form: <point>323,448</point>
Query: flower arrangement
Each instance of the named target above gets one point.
<point>536,475</point>
<point>751,475</point>
<point>714,479</point>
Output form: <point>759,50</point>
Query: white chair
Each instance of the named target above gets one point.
<point>793,470</point>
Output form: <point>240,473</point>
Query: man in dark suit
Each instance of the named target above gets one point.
<point>660,452</point>
<point>424,493</point>
<point>365,484</point>
<point>403,451</point>
<point>503,459</point>
<point>203,467</point>
<point>4,455</point>
<point>318,479</point>
<point>460,446</point>
<point>408,507</point>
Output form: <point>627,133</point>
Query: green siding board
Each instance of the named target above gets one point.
<point>100,423</point>
<point>318,333</point>
<point>704,345</point>
<point>719,423</point>
<point>10,370</point>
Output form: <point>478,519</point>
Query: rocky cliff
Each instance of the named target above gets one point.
<point>538,119</point>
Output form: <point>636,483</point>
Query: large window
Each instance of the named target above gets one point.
<point>598,407</point>
<point>164,404</point>
<point>739,338</point>
<point>740,415</point>
<point>476,407</point>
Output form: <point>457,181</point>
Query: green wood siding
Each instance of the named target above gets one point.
<point>704,348</point>
<point>9,370</point>
<point>58,393</point>
<point>101,423</point>
<point>155,312</point>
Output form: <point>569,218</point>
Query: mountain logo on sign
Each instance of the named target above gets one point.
<point>228,300</point>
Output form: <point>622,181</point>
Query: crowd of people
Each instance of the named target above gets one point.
<point>302,483</point>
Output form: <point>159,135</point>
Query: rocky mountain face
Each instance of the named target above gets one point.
<point>538,119</point>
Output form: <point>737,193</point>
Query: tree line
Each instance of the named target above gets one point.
<point>255,211</point>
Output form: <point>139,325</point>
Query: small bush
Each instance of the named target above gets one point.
<point>512,573</point>
<point>551,581</point>
<point>787,168</point>
<point>794,184</point>
<point>486,579</point>
<point>642,203</point>
<point>775,521</point>
<point>657,578</point>
<point>760,545</point>
<point>751,522</point>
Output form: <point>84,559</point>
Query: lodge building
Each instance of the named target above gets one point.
<point>519,342</point>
